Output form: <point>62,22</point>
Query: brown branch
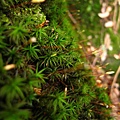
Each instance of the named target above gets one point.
<point>115,79</point>
<point>118,22</point>
<point>115,15</point>
<point>71,17</point>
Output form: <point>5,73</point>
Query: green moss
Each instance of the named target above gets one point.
<point>49,81</point>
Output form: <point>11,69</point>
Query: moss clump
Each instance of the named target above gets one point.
<point>42,74</point>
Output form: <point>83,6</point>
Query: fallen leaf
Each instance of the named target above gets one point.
<point>10,66</point>
<point>37,91</point>
<point>103,56</point>
<point>110,72</point>
<point>103,9</point>
<point>103,15</point>
<point>37,1</point>
<point>116,56</point>
<point>107,41</point>
<point>109,24</point>
<point>65,91</point>
<point>32,40</point>
<point>109,9</point>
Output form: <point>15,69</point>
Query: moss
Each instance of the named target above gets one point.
<point>47,80</point>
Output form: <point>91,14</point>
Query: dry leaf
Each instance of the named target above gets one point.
<point>89,37</point>
<point>37,91</point>
<point>99,85</point>
<point>116,56</point>
<point>45,23</point>
<point>99,81</point>
<point>116,85</point>
<point>110,72</point>
<point>116,91</point>
<point>109,24</point>
<point>10,66</point>
<point>101,76</point>
<point>109,9</point>
<point>32,40</point>
<point>103,56</point>
<point>65,91</point>
<point>110,48</point>
<point>103,9</point>
<point>92,48</point>
<point>119,2</point>
<point>37,1</point>
<point>107,41</point>
<point>103,15</point>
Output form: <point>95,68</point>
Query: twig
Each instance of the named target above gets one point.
<point>95,60</point>
<point>118,22</point>
<point>71,17</point>
<point>115,79</point>
<point>115,15</point>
